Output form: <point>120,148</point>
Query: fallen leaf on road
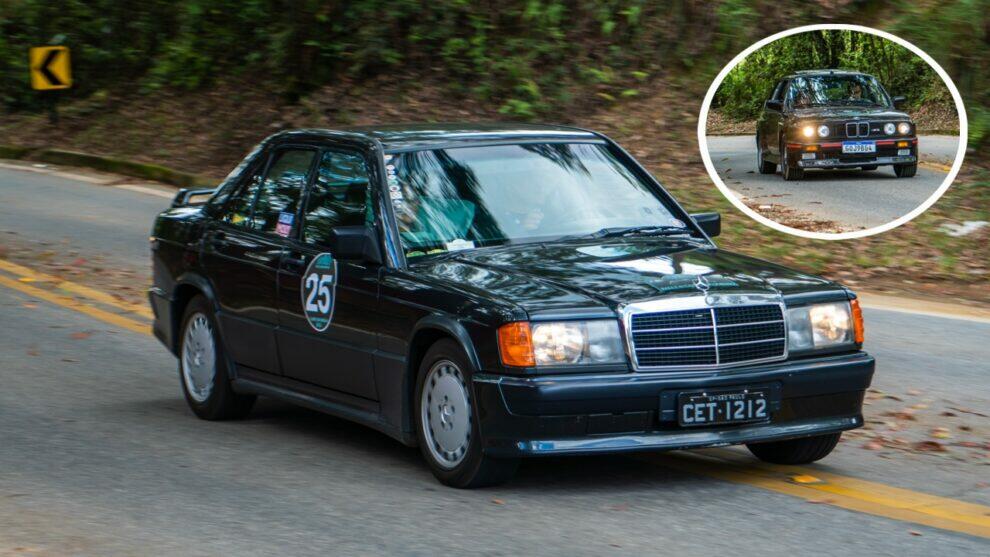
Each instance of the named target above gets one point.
<point>498,501</point>
<point>29,305</point>
<point>941,433</point>
<point>821,501</point>
<point>69,360</point>
<point>914,532</point>
<point>81,335</point>
<point>930,446</point>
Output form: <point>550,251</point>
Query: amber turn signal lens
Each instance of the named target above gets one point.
<point>857,321</point>
<point>515,344</point>
<point>902,144</point>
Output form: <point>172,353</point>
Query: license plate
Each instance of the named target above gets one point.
<point>738,407</point>
<point>859,146</point>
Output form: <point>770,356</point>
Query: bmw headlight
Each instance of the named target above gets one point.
<point>808,131</point>
<point>904,128</point>
<point>823,131</point>
<point>889,128</point>
<point>554,343</point>
<point>824,325</point>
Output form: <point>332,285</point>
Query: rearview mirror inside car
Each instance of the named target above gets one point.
<point>355,242</point>
<point>710,223</point>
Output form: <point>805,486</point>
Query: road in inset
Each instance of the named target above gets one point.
<point>852,199</point>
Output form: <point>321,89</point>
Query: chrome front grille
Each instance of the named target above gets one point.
<point>857,129</point>
<point>708,337</point>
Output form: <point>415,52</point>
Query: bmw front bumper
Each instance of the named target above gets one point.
<point>636,411</point>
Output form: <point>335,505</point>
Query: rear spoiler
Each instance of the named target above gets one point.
<point>183,197</point>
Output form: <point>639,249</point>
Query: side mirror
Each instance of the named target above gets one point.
<point>776,106</point>
<point>898,100</point>
<point>355,242</point>
<point>710,223</point>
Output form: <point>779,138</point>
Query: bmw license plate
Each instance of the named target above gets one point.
<point>859,147</point>
<point>734,407</point>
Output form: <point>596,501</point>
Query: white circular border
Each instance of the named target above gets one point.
<point>703,140</point>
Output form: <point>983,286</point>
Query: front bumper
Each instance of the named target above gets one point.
<point>583,414</point>
<point>829,154</point>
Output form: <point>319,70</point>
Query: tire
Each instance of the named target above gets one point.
<point>204,370</point>
<point>451,447</point>
<point>762,166</point>
<point>786,170</point>
<point>905,170</point>
<point>869,167</point>
<point>795,451</point>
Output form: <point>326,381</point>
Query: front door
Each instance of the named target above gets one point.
<point>242,253</point>
<point>328,306</point>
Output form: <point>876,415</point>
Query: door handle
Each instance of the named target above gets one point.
<point>293,263</point>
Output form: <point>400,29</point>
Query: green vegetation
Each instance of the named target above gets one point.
<point>744,89</point>
<point>531,58</point>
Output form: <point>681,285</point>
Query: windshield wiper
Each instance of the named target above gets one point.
<point>613,232</point>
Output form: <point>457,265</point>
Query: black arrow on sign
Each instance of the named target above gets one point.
<point>45,71</point>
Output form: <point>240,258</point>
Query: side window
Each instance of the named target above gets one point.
<point>281,189</point>
<point>338,197</point>
<point>238,211</point>
<point>778,93</point>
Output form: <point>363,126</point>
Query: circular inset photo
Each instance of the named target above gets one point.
<point>833,131</point>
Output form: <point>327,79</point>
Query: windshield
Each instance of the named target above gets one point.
<point>460,198</point>
<point>852,89</point>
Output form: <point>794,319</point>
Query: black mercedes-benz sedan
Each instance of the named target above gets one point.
<point>834,119</point>
<point>492,292</point>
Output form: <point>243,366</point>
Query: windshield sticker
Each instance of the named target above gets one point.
<point>319,291</point>
<point>388,157</point>
<point>284,226</point>
<point>459,244</point>
<point>678,223</point>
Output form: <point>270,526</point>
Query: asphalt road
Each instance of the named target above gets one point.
<point>853,199</point>
<point>100,456</point>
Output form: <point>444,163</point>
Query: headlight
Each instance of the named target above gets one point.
<point>889,128</point>
<point>824,325</point>
<point>808,131</point>
<point>553,343</point>
<point>904,128</point>
<point>823,131</point>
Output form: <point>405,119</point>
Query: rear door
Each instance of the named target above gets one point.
<point>242,251</point>
<point>328,307</point>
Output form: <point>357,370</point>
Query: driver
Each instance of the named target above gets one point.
<point>855,92</point>
<point>523,204</point>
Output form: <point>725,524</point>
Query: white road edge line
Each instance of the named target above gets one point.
<point>53,171</point>
<point>147,190</point>
<point>927,313</point>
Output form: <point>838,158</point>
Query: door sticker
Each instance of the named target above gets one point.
<point>319,291</point>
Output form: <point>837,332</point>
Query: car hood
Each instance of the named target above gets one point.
<point>608,274</point>
<point>849,112</point>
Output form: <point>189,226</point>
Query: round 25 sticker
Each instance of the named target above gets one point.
<point>319,291</point>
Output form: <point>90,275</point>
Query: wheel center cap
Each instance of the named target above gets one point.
<point>446,414</point>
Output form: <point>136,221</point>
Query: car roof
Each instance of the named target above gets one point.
<point>805,73</point>
<point>395,137</point>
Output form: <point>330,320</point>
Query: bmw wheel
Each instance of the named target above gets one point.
<point>905,170</point>
<point>786,170</point>
<point>203,367</point>
<point>762,165</point>
<point>447,424</point>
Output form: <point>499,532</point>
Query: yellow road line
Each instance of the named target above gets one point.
<point>936,166</point>
<point>73,304</point>
<point>836,490</point>
<point>75,288</point>
<point>807,483</point>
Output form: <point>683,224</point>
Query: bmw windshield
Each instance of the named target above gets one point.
<point>836,89</point>
<point>466,197</point>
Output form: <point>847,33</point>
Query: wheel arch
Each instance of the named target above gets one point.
<point>427,332</point>
<point>187,287</point>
